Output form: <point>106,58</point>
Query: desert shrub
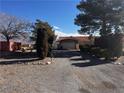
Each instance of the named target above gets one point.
<point>112,45</point>
<point>116,45</point>
<point>109,46</point>
<point>84,48</point>
<point>94,50</point>
<point>104,53</point>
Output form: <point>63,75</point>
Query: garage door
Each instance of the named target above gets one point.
<point>68,45</point>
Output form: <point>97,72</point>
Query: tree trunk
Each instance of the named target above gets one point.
<point>8,43</point>
<point>103,29</point>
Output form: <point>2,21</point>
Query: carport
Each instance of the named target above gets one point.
<point>68,44</point>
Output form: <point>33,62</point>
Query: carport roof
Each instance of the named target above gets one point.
<point>78,38</point>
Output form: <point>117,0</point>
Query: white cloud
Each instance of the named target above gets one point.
<point>59,33</point>
<point>56,28</point>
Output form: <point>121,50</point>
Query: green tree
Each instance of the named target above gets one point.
<point>42,43</point>
<point>105,16</point>
<point>40,24</point>
<point>43,34</point>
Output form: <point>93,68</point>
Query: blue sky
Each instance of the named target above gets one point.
<point>60,13</point>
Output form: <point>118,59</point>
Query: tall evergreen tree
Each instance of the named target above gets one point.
<point>43,34</point>
<point>42,43</point>
<point>41,24</point>
<point>105,16</point>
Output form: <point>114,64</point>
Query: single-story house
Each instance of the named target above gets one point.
<point>15,43</point>
<point>73,42</point>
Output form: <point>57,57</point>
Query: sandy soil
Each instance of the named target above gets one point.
<point>69,73</point>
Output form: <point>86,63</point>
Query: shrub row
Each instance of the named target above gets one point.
<point>100,52</point>
<point>108,47</point>
<point>97,51</point>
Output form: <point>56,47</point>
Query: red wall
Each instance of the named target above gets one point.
<point>12,46</point>
<point>4,46</point>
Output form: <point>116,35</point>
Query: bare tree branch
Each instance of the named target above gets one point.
<point>13,27</point>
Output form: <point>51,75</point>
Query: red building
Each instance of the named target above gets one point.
<point>11,46</point>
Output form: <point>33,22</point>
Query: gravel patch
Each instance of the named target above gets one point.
<point>61,76</point>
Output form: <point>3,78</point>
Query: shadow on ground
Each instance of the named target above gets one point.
<point>17,55</point>
<point>65,53</point>
<point>18,58</point>
<point>20,61</point>
<point>87,60</point>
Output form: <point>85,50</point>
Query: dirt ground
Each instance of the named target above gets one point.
<point>69,73</point>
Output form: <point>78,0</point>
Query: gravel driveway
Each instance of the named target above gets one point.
<point>68,74</point>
